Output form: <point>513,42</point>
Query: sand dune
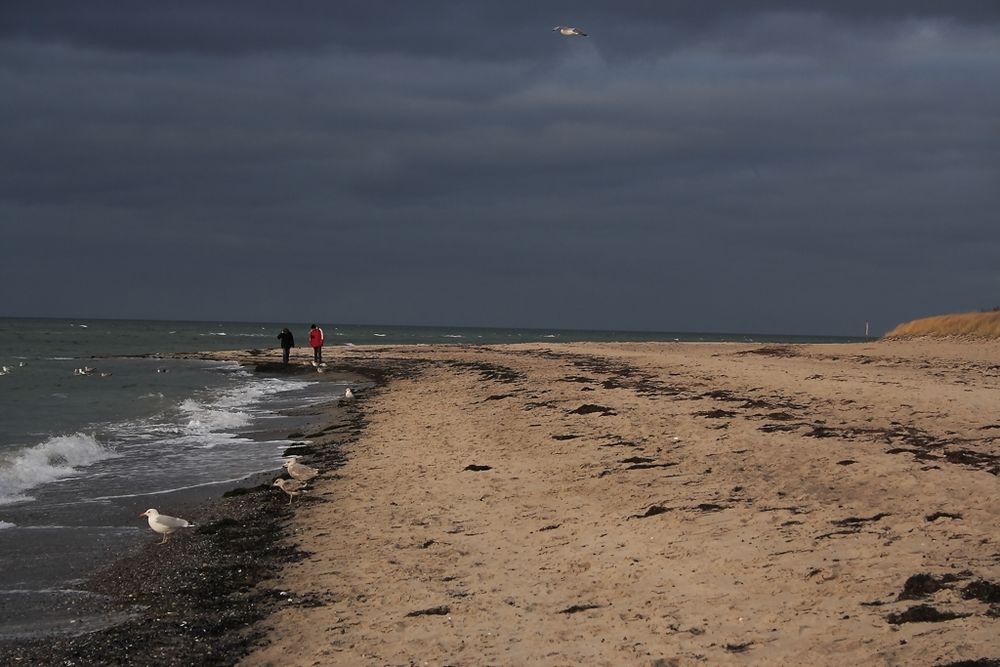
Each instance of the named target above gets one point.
<point>978,325</point>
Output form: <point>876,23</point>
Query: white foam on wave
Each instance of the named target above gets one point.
<point>228,410</point>
<point>205,419</point>
<point>54,459</point>
<point>4,524</point>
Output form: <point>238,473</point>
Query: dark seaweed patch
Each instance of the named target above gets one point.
<point>442,610</point>
<point>919,586</point>
<point>738,648</point>
<point>709,507</point>
<point>857,521</point>
<point>923,613</point>
<point>652,511</point>
<point>775,428</point>
<point>942,515</point>
<point>590,408</point>
<point>475,467</point>
<point>982,590</point>
<point>646,466</point>
<point>577,608</point>
<point>715,414</point>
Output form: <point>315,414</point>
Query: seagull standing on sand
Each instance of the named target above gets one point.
<point>568,31</point>
<point>292,487</point>
<point>165,525</point>
<point>300,471</point>
<point>348,394</point>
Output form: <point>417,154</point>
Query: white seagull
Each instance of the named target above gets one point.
<point>568,31</point>
<point>165,525</point>
<point>300,471</point>
<point>292,487</point>
<point>348,394</point>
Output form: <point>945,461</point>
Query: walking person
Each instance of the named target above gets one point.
<point>287,341</point>
<point>316,343</point>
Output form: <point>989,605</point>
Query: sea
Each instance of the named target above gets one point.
<point>82,454</point>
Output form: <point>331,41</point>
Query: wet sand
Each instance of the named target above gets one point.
<point>605,504</point>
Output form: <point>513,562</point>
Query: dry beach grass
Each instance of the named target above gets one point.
<point>656,504</point>
<point>985,325</point>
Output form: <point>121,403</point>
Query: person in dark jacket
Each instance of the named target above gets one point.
<point>287,343</point>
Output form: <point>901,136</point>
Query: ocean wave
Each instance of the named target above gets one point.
<point>229,409</point>
<point>56,458</point>
<point>204,419</point>
<point>4,524</point>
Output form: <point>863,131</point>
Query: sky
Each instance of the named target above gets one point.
<point>792,166</point>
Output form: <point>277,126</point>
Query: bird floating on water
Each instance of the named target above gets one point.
<point>300,471</point>
<point>165,525</point>
<point>292,487</point>
<point>4,370</point>
<point>569,31</point>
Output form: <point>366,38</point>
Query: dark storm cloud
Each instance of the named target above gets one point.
<point>441,28</point>
<point>798,166</point>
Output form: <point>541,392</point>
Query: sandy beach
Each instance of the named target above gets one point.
<point>656,504</point>
<point>603,504</point>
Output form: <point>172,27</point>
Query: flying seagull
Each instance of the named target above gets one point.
<point>568,31</point>
<point>165,525</point>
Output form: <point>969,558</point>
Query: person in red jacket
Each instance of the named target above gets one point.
<point>316,343</point>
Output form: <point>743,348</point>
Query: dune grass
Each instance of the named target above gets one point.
<point>978,325</point>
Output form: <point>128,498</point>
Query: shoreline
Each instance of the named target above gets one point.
<point>513,504</point>
<point>195,599</point>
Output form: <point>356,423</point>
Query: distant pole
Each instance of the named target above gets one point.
<point>866,329</point>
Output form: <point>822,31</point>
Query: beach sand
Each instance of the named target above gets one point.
<point>655,504</point>
<point>600,504</point>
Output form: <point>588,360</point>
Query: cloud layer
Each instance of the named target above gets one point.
<point>799,168</point>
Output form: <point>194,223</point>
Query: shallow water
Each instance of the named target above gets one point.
<point>81,456</point>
